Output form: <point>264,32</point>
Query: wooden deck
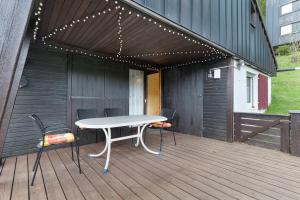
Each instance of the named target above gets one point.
<point>197,168</point>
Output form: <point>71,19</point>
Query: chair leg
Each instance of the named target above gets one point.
<point>77,152</point>
<point>161,139</point>
<point>36,160</point>
<point>174,136</point>
<point>71,144</point>
<point>37,165</point>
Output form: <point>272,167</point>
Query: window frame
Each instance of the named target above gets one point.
<point>288,12</point>
<point>250,89</point>
<point>287,25</point>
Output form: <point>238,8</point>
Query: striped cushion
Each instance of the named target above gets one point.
<point>161,125</point>
<point>57,139</point>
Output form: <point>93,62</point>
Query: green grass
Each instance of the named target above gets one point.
<point>285,87</point>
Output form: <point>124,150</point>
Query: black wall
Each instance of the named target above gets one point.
<point>203,105</point>
<point>224,22</point>
<point>183,90</point>
<point>97,84</point>
<point>58,85</point>
<point>216,103</point>
<point>45,95</point>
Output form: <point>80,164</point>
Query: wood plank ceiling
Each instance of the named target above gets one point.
<point>116,31</point>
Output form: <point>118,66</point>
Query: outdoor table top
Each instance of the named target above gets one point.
<point>120,121</point>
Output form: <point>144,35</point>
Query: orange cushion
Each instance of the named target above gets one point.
<point>57,139</point>
<point>161,125</point>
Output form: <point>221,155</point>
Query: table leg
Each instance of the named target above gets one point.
<point>142,141</point>
<point>105,148</point>
<point>108,151</point>
<point>138,138</point>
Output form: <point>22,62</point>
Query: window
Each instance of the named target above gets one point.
<point>285,30</point>
<point>287,8</point>
<point>249,89</point>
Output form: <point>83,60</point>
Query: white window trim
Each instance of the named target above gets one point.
<point>287,8</point>
<point>251,103</point>
<point>286,29</point>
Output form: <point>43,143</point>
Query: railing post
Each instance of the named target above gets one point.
<point>237,126</point>
<point>295,132</point>
<point>285,138</point>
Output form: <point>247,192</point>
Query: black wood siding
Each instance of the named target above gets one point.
<point>183,91</point>
<point>46,95</point>
<point>224,22</point>
<point>97,84</point>
<point>59,84</point>
<point>216,104</point>
<point>202,104</point>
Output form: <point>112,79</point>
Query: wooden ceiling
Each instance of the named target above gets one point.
<point>105,26</point>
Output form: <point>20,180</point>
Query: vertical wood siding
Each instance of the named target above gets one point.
<point>96,84</point>
<point>215,104</point>
<point>225,22</point>
<point>60,84</point>
<point>183,91</point>
<point>202,104</point>
<point>45,95</point>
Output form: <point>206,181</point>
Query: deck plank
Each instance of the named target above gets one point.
<point>37,191</point>
<point>102,187</point>
<point>53,187</point>
<point>7,177</point>
<point>20,186</point>
<point>213,153</point>
<point>154,189</point>
<point>132,189</point>
<point>87,189</point>
<point>222,162</point>
<point>211,188</point>
<point>70,188</point>
<point>109,178</point>
<point>197,168</point>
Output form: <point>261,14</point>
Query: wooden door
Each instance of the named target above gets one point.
<point>153,94</point>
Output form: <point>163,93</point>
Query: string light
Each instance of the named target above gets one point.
<point>102,57</point>
<point>38,19</point>
<point>120,33</point>
<point>124,58</point>
<point>170,53</point>
<point>192,62</point>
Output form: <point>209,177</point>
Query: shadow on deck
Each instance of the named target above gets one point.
<point>197,168</point>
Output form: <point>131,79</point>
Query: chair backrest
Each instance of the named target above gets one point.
<point>38,122</point>
<point>168,113</point>
<point>86,113</point>
<point>112,112</point>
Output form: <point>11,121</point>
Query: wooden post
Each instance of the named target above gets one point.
<point>295,132</point>
<point>230,114</point>
<point>237,126</point>
<point>14,19</point>
<point>285,138</point>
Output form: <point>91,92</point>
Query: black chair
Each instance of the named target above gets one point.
<point>113,112</point>
<point>51,138</point>
<point>170,114</point>
<point>85,114</point>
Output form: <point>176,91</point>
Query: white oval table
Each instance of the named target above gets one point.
<point>140,121</point>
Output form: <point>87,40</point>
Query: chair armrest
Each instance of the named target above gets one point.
<point>58,130</point>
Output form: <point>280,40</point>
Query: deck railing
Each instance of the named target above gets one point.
<point>281,131</point>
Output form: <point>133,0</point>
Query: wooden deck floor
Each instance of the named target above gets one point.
<point>197,168</point>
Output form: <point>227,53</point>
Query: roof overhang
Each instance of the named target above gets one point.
<point>120,31</point>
